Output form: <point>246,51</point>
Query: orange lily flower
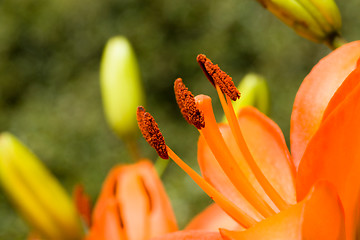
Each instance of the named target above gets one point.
<point>132,205</point>
<point>246,166</point>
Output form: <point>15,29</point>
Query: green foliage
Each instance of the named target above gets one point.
<point>50,53</point>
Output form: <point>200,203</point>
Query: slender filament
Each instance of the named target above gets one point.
<point>226,160</point>
<point>239,138</point>
<point>229,207</point>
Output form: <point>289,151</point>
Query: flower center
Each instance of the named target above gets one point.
<point>198,112</point>
<point>225,86</point>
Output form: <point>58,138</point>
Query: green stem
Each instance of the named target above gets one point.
<point>335,42</point>
<point>133,148</point>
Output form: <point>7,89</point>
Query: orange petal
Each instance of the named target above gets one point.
<point>267,144</point>
<point>134,203</point>
<point>140,199</point>
<point>107,191</point>
<point>357,217</point>
<point>162,217</point>
<point>343,91</point>
<point>315,93</point>
<point>190,235</point>
<point>319,216</point>
<point>108,225</point>
<point>211,219</point>
<point>333,154</point>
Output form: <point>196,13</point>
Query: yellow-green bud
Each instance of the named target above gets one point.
<point>254,92</point>
<point>36,193</point>
<point>121,86</point>
<point>316,20</point>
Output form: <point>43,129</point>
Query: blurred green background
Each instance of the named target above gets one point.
<point>49,79</point>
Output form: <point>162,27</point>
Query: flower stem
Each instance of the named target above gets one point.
<point>133,148</point>
<point>335,42</point>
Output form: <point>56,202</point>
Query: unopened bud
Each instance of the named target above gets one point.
<point>318,21</point>
<point>132,205</point>
<point>36,193</point>
<point>120,86</point>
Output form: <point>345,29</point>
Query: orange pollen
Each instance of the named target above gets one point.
<point>202,59</point>
<point>218,77</point>
<point>151,132</point>
<point>186,101</point>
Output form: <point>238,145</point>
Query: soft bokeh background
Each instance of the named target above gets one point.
<point>49,78</point>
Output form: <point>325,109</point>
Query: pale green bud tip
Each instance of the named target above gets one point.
<point>36,194</point>
<point>316,20</point>
<point>254,92</point>
<point>121,86</point>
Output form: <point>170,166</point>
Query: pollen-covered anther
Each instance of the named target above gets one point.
<point>218,77</point>
<point>202,59</point>
<point>186,101</point>
<point>151,132</point>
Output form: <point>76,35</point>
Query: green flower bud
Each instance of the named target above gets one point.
<point>121,86</point>
<point>316,20</point>
<point>36,193</point>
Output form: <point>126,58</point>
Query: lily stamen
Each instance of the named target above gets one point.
<point>151,132</point>
<point>226,160</point>
<point>239,138</point>
<point>185,100</point>
<point>225,86</point>
<point>218,146</point>
<point>218,77</point>
<point>153,136</point>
